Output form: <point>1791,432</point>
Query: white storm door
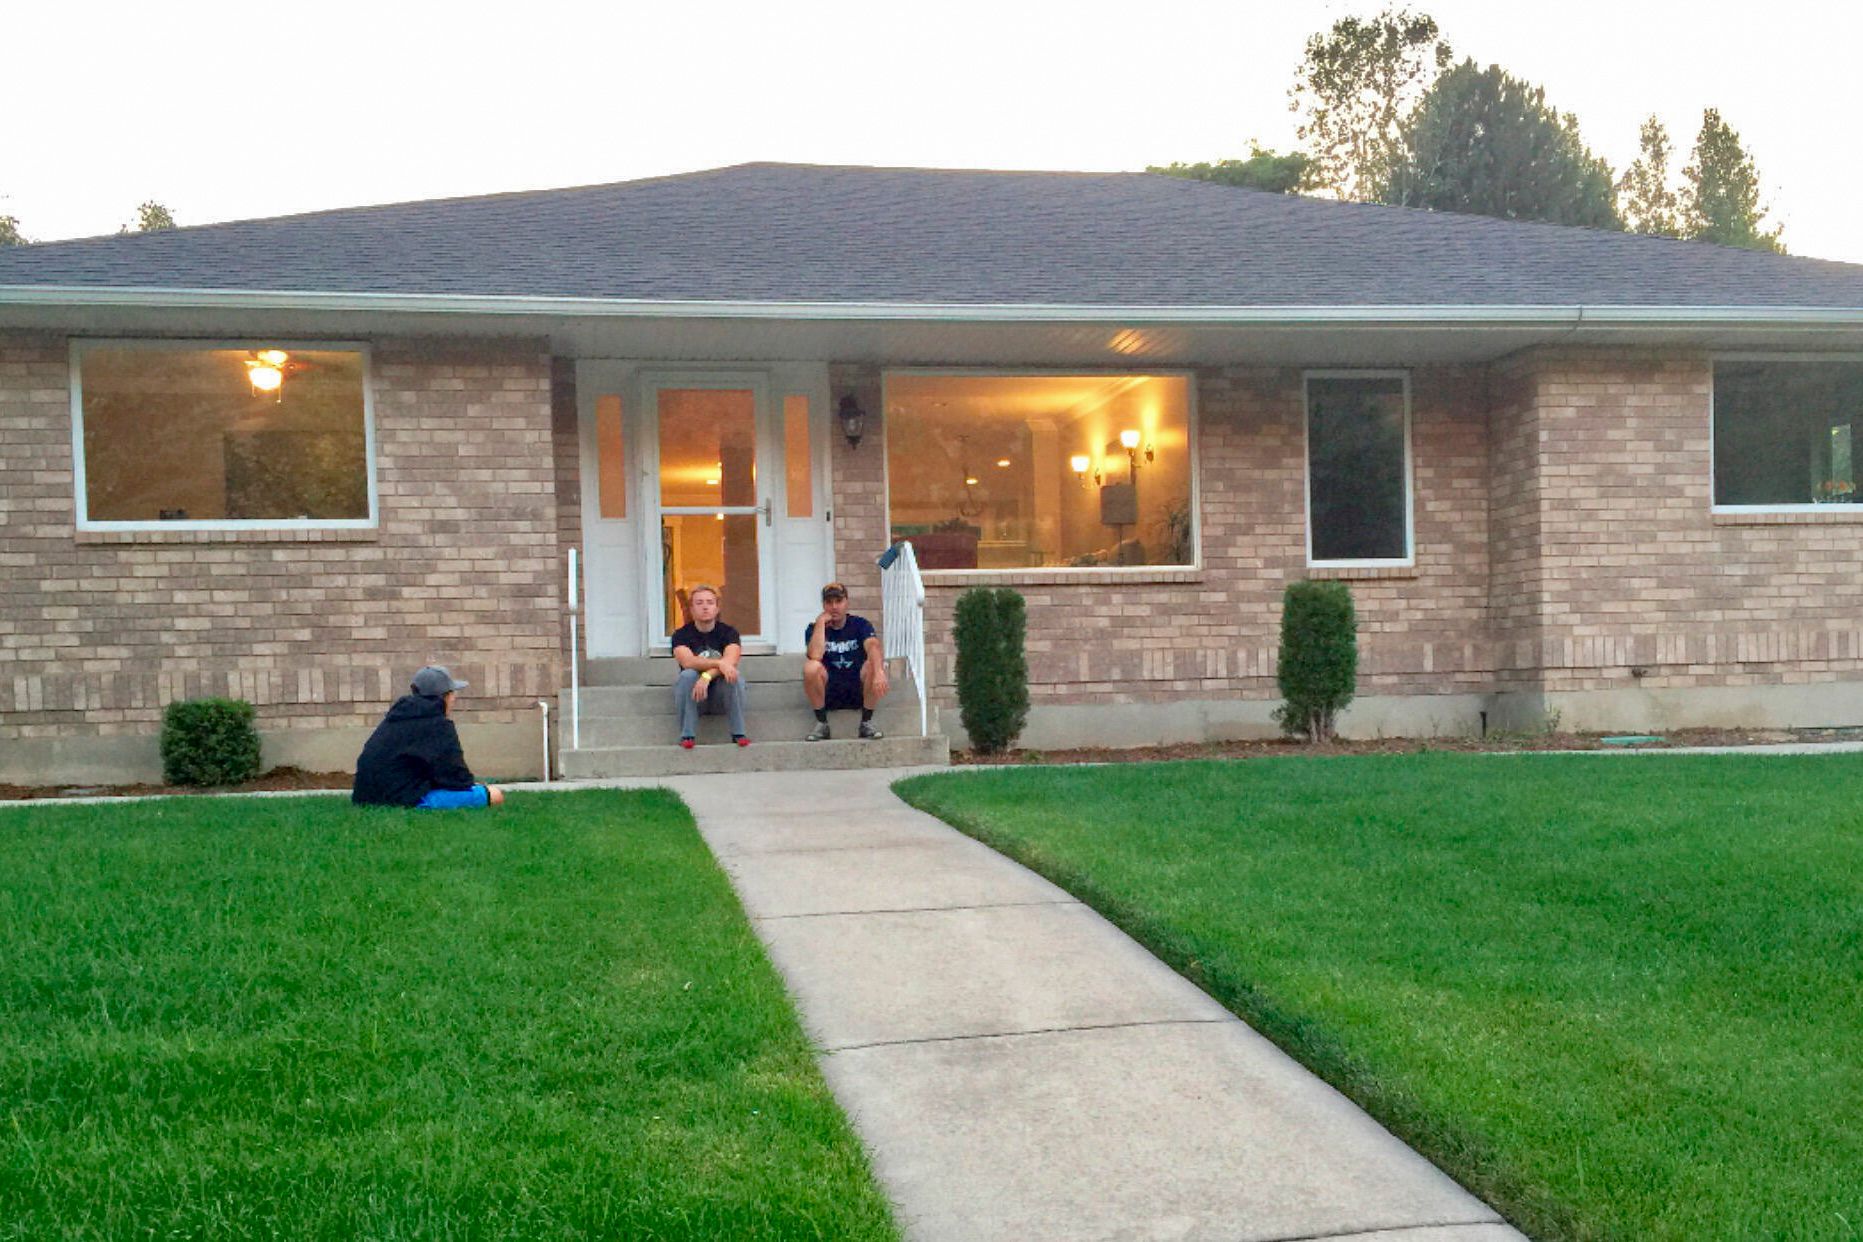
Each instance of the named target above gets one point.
<point>710,501</point>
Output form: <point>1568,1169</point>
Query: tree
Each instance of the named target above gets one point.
<point>1353,89</point>
<point>1720,197</point>
<point>151,217</point>
<point>1485,143</point>
<point>1645,198</point>
<point>1262,170</point>
<point>9,232</point>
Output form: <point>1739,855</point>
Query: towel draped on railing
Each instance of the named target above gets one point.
<point>902,594</point>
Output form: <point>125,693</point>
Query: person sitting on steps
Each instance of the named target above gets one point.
<point>707,651</point>
<point>845,667</point>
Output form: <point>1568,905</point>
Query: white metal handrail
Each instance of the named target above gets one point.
<point>575,655</point>
<point>902,593</point>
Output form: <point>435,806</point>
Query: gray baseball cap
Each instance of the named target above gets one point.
<point>435,681</point>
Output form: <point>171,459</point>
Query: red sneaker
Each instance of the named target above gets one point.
<point>740,739</point>
<point>687,742</point>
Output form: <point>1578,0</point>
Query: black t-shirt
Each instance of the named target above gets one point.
<point>706,646</point>
<point>844,651</point>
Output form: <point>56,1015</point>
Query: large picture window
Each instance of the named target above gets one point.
<point>1022,471</point>
<point>1785,432</point>
<point>221,436</point>
<point>1358,468</point>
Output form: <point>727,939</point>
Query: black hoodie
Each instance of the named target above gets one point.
<point>414,751</point>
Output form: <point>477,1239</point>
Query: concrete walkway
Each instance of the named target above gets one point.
<point>1019,1068</point>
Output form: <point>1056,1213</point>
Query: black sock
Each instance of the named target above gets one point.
<point>866,714</point>
<point>821,714</point>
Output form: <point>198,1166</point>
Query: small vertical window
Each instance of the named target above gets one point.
<point>611,485</point>
<point>798,470</point>
<point>1358,475</point>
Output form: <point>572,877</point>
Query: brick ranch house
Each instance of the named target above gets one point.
<point>1565,471</point>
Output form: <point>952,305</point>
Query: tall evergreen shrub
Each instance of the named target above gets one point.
<point>992,667</point>
<point>209,742</point>
<point>1319,657</point>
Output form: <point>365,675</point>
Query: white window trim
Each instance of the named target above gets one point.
<point>1853,510</point>
<point>998,574</point>
<point>83,345</point>
<point>1409,559</point>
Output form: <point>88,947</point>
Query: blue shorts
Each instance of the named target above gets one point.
<point>454,799</point>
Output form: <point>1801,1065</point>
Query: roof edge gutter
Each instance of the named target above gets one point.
<point>983,313</point>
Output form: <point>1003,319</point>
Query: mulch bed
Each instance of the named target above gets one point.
<point>277,779</point>
<point>1270,747</point>
<point>287,779</point>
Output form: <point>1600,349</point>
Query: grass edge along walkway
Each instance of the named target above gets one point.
<point>256,1017</point>
<point>1605,994</point>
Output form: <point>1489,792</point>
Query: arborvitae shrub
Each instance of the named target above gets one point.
<point>209,742</point>
<point>992,668</point>
<point>1319,657</point>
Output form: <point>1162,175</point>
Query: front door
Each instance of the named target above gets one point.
<point>702,478</point>
<point>713,503</point>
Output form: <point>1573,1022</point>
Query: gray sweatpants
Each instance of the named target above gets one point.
<point>722,697</point>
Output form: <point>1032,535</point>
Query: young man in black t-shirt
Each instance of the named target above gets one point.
<point>846,666</point>
<point>707,651</point>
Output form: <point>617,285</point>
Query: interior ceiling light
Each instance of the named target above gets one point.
<point>265,371</point>
<point>1002,461</point>
<point>968,505</point>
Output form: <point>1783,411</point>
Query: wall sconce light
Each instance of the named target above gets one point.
<point>853,420</point>
<point>1129,441</point>
<point>1082,466</point>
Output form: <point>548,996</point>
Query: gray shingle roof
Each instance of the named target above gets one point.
<point>798,233</point>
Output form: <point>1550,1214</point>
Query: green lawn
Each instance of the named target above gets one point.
<point>1620,997</point>
<point>292,1018</point>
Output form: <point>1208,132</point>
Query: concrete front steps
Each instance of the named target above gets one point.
<point>628,727</point>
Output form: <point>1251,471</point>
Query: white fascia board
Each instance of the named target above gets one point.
<point>1264,316</point>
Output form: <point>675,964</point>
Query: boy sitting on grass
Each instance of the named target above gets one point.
<point>414,757</point>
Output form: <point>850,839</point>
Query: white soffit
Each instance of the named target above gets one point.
<point>1031,335</point>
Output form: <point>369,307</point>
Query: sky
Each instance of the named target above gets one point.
<point>233,111</point>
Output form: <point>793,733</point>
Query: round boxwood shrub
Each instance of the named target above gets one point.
<point>209,742</point>
<point>1318,669</point>
<point>992,668</point>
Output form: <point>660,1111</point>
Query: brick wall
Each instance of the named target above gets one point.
<point>1633,568</point>
<point>1158,634</point>
<point>1515,577</point>
<point>1563,536</point>
<point>859,474</point>
<point>1562,522</point>
<point>566,447</point>
<point>99,630</point>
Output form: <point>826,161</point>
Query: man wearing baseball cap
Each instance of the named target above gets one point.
<point>414,758</point>
<point>845,668</point>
